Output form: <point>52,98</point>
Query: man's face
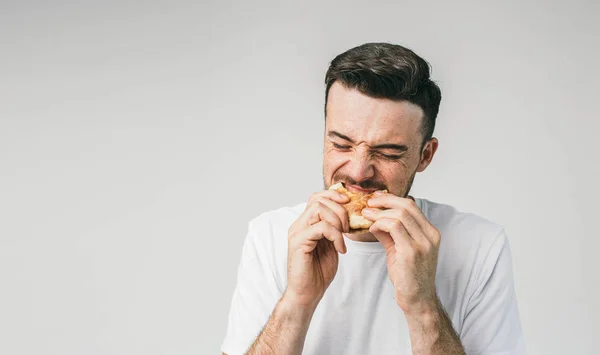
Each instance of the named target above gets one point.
<point>373,144</point>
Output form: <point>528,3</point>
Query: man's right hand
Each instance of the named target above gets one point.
<point>314,241</point>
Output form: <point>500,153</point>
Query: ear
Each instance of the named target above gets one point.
<point>427,155</point>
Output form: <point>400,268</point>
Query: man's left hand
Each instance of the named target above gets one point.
<point>411,243</point>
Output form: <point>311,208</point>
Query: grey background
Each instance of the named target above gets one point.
<point>137,140</point>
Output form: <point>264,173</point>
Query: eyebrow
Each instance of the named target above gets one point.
<point>399,147</point>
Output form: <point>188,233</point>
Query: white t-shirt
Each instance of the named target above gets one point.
<point>358,313</point>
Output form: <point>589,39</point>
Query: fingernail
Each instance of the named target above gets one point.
<point>378,193</point>
<point>367,210</point>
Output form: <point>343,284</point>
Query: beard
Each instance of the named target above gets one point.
<point>372,184</point>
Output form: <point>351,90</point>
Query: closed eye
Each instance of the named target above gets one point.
<point>391,157</point>
<point>385,156</point>
<point>339,146</point>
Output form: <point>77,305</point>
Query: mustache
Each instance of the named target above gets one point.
<point>365,184</point>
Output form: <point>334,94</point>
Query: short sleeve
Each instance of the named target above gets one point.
<point>492,324</point>
<point>256,293</point>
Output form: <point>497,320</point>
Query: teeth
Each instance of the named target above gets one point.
<point>336,186</point>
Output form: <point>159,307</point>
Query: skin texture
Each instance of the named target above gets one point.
<point>360,135</point>
<point>370,122</point>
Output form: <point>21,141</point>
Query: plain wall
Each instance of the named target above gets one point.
<point>138,140</point>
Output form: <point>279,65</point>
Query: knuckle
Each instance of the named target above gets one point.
<point>319,225</point>
<point>335,233</point>
<point>396,224</point>
<point>339,210</point>
<point>316,228</point>
<point>315,196</point>
<point>336,225</point>
<point>330,228</point>
<point>322,201</point>
<point>318,206</point>
<point>325,226</point>
<point>403,213</point>
<point>375,226</point>
<point>436,236</point>
<point>426,247</point>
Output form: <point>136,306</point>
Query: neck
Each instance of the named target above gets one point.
<point>362,237</point>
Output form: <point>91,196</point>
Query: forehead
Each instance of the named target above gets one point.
<point>372,120</point>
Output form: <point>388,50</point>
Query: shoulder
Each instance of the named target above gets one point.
<point>461,227</point>
<point>471,248</point>
<point>277,219</point>
<point>268,231</point>
<point>266,241</point>
<point>469,242</point>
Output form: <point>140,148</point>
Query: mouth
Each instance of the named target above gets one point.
<point>356,188</point>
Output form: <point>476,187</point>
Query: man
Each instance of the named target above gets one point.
<point>424,279</point>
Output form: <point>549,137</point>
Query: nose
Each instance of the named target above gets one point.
<point>361,166</point>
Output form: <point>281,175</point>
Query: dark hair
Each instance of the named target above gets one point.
<point>383,70</point>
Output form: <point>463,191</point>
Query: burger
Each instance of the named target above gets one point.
<point>358,202</point>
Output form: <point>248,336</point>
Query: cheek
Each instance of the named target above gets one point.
<point>395,176</point>
<point>332,161</point>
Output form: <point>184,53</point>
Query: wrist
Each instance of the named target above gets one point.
<point>425,316</point>
<point>286,330</point>
<point>302,305</point>
<point>425,308</point>
<point>431,330</point>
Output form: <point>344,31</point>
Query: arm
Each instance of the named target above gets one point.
<point>285,331</point>
<point>491,324</point>
<point>411,243</point>
<point>431,332</point>
<point>314,241</point>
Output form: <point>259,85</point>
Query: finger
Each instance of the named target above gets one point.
<point>403,215</point>
<point>339,211</point>
<point>331,195</point>
<point>390,201</point>
<point>396,231</point>
<point>372,213</point>
<point>325,230</point>
<point>382,236</point>
<point>319,211</point>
